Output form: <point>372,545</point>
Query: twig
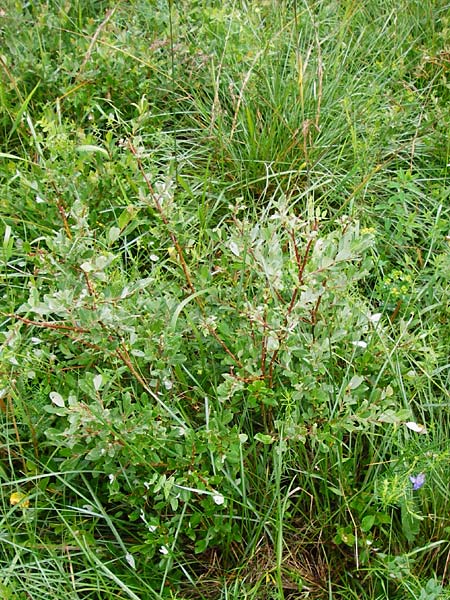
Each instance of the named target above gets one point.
<point>301,264</point>
<point>444,574</point>
<point>124,356</point>
<point>164,219</point>
<point>62,212</point>
<point>109,14</point>
<point>16,431</point>
<point>49,324</point>
<point>179,250</point>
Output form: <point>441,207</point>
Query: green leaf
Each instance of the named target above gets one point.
<point>355,382</point>
<point>367,523</point>
<point>92,149</point>
<point>410,522</point>
<point>335,490</point>
<point>264,438</point>
<point>22,109</point>
<point>113,234</point>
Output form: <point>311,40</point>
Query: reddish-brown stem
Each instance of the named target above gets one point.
<point>178,249</point>
<point>271,365</point>
<point>298,259</point>
<point>224,346</point>
<point>89,285</point>
<point>125,358</point>
<point>62,212</point>
<point>302,265</point>
<point>49,324</point>
<point>314,311</point>
<point>247,379</point>
<point>109,13</point>
<point>164,219</point>
<point>394,315</point>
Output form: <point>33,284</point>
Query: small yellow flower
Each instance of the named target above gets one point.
<point>171,251</point>
<point>19,498</point>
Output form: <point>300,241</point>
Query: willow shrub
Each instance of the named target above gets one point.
<point>241,341</point>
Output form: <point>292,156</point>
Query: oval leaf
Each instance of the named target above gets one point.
<point>92,149</point>
<point>57,399</point>
<point>264,438</point>
<point>98,381</point>
<point>417,427</point>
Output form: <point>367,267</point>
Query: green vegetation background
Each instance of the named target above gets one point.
<point>224,299</point>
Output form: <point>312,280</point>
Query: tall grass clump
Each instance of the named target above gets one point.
<point>224,304</point>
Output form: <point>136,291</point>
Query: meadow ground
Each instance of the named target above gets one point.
<point>225,263</point>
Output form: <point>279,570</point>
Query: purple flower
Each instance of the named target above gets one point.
<point>417,481</point>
